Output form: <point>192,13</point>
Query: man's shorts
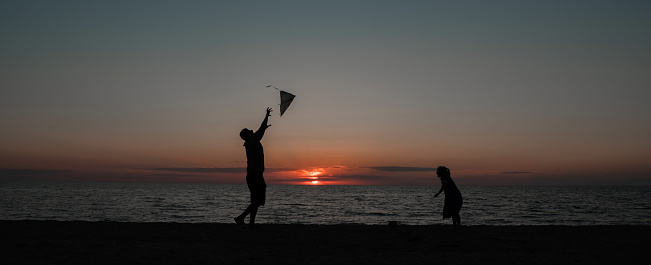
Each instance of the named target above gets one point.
<point>258,194</point>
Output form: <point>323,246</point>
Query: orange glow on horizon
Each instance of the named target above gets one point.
<point>310,175</point>
<point>314,173</point>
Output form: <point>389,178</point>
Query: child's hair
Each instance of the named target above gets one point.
<point>443,172</point>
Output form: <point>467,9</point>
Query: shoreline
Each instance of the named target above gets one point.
<point>81,242</point>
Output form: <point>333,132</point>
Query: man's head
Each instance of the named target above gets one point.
<point>245,134</point>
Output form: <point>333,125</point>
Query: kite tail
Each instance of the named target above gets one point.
<point>273,87</point>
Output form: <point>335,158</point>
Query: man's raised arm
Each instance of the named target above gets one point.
<point>263,127</point>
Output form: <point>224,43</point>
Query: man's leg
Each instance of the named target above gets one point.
<point>240,219</point>
<point>254,212</point>
<point>257,199</point>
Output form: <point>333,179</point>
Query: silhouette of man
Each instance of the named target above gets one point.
<point>254,169</point>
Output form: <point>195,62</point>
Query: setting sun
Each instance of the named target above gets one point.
<point>314,172</point>
<point>312,175</point>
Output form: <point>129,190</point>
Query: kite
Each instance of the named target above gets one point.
<point>286,99</point>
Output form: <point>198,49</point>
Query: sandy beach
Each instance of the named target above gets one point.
<point>53,242</point>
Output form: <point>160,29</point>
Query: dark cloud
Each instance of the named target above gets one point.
<point>338,178</point>
<point>402,169</point>
<point>269,170</point>
<point>201,169</point>
<point>363,177</point>
<point>376,179</point>
<point>26,174</point>
<point>214,169</point>
<point>30,171</point>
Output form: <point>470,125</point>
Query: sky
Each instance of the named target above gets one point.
<point>501,92</point>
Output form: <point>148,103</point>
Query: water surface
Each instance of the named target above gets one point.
<point>190,203</point>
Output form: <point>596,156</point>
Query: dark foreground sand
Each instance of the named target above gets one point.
<point>51,242</point>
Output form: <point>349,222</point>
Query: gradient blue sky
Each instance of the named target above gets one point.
<point>502,92</point>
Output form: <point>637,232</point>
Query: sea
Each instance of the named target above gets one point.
<point>325,205</point>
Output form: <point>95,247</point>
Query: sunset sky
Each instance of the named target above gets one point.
<point>501,92</point>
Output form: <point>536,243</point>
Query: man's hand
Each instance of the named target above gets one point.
<point>265,124</point>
